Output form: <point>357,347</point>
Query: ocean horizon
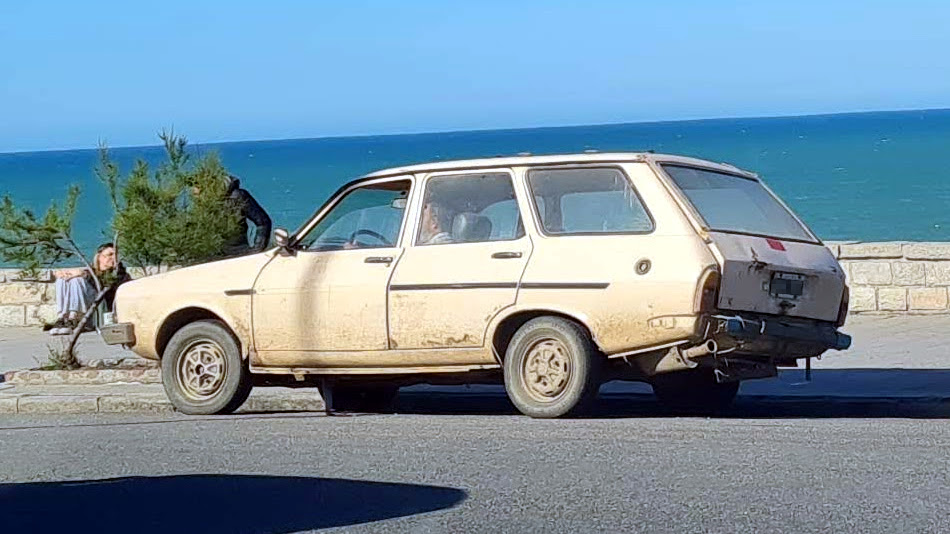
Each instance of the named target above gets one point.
<point>354,136</point>
<point>868,176</point>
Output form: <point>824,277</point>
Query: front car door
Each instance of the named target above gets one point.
<point>468,254</point>
<point>329,294</point>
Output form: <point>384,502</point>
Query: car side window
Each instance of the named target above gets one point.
<point>588,201</point>
<point>367,217</point>
<point>469,208</point>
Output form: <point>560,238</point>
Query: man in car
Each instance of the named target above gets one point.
<point>436,224</point>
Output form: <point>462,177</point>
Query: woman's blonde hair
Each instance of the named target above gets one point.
<point>95,260</point>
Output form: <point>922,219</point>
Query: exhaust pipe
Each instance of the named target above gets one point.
<point>708,347</point>
<point>679,360</point>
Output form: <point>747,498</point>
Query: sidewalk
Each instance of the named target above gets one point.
<point>26,348</point>
<point>908,342</point>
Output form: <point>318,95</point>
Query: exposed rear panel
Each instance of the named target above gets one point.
<point>779,277</point>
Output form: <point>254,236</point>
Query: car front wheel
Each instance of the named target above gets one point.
<point>202,370</point>
<point>552,368</point>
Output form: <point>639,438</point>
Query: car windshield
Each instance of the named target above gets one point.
<point>367,217</point>
<point>730,203</point>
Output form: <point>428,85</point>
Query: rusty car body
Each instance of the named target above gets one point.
<point>551,274</point>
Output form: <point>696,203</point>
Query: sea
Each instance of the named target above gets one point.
<point>874,176</point>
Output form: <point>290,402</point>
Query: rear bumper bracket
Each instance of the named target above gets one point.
<point>747,330</point>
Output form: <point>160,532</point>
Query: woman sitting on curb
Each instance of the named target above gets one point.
<point>76,290</point>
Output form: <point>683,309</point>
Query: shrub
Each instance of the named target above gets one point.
<point>158,216</point>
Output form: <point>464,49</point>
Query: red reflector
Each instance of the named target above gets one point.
<point>776,244</point>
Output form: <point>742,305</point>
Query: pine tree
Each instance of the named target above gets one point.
<point>32,242</point>
<point>176,215</point>
<point>35,242</point>
<point>161,219</point>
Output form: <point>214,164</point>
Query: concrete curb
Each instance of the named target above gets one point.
<point>44,404</point>
<point>147,403</point>
<point>268,400</point>
<point>84,377</point>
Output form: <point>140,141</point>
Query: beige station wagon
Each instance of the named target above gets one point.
<point>551,274</point>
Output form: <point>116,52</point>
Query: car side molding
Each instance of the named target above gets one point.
<point>500,285</point>
<point>237,292</point>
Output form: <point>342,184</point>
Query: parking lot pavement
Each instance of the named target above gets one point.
<point>891,357</point>
<point>880,342</point>
<point>889,342</point>
<point>24,348</point>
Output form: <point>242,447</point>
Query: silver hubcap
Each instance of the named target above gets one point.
<point>546,370</point>
<point>201,370</point>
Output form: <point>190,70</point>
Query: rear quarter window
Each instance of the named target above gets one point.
<point>587,201</point>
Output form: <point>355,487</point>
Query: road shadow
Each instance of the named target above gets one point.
<point>831,393</point>
<point>212,504</point>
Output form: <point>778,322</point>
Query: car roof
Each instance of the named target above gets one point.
<point>555,159</point>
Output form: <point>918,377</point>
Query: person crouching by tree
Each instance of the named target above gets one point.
<point>76,290</point>
<point>252,211</point>
<point>248,209</point>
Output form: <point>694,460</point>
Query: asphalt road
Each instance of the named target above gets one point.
<point>450,463</point>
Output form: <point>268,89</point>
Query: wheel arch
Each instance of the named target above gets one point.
<point>180,318</point>
<point>505,325</point>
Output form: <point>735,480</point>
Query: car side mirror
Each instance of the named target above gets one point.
<point>399,203</point>
<point>281,237</point>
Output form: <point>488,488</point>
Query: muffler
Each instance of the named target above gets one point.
<point>679,360</point>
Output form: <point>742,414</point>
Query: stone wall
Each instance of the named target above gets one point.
<point>888,277</point>
<point>896,277</point>
<point>26,302</point>
<point>32,301</point>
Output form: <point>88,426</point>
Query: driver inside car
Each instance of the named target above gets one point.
<point>436,223</point>
<point>379,222</point>
<point>354,243</point>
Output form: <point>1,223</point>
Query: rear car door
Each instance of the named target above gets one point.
<point>614,252</point>
<point>468,255</point>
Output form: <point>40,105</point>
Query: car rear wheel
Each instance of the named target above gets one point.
<point>695,391</point>
<point>552,368</point>
<point>202,370</point>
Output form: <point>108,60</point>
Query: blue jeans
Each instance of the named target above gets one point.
<point>73,296</point>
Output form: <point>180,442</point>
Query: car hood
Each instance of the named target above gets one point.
<point>234,274</point>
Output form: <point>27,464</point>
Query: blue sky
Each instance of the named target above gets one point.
<point>72,73</point>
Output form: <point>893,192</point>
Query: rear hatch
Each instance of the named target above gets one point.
<point>771,263</point>
<point>775,276</point>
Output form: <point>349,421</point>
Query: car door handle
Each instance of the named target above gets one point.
<point>379,259</point>
<point>506,255</point>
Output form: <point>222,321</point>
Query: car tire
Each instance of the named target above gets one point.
<point>371,399</point>
<point>694,392</point>
<point>203,371</point>
<point>552,368</point>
